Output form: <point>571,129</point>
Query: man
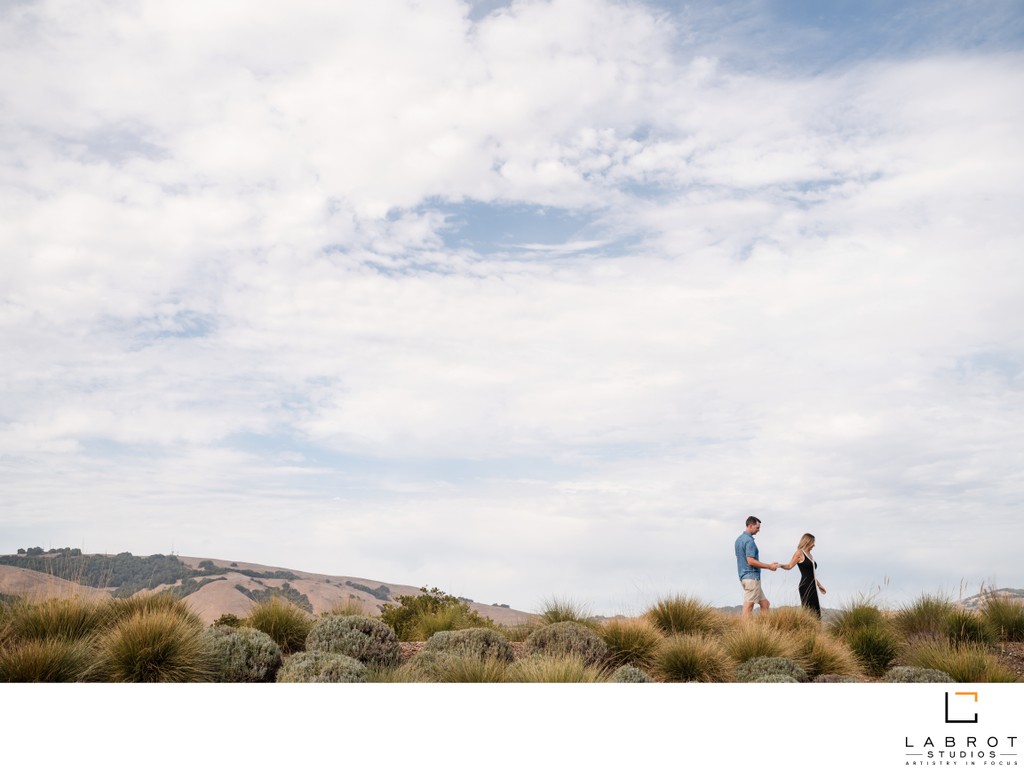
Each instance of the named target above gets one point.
<point>749,568</point>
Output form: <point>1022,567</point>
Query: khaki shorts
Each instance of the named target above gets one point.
<point>752,592</point>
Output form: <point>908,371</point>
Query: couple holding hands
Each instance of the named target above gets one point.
<point>749,567</point>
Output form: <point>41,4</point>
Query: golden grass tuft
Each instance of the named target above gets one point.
<point>155,647</point>
<point>633,641</point>
<point>684,615</point>
<point>759,640</point>
<point>968,663</point>
<point>693,657</point>
<point>563,669</point>
<point>50,660</point>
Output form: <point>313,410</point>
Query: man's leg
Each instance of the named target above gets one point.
<point>764,605</point>
<point>747,608</point>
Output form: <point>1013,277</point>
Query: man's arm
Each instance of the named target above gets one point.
<point>758,564</point>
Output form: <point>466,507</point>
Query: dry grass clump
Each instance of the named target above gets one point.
<point>1005,616</point>
<point>350,607</point>
<point>758,640</point>
<point>924,619</point>
<point>967,663</point>
<point>968,626</point>
<point>790,619</point>
<point>51,660</point>
<point>461,668</point>
<point>155,647</point>
<point>285,623</point>
<point>631,641</point>
<point>685,615</point>
<point>821,654</point>
<point>693,657</point>
<point>856,616</point>
<point>561,669</point>
<point>68,619</point>
<point>557,610</point>
<point>120,609</point>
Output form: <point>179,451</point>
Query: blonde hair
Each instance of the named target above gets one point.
<point>806,541</point>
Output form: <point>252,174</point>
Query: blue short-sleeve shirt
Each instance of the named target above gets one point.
<point>746,547</point>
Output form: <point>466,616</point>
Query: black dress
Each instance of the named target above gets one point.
<point>808,587</point>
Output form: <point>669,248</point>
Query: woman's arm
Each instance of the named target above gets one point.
<point>797,558</point>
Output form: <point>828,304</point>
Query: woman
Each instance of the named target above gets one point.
<point>809,584</point>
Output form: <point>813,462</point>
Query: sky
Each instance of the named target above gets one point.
<point>525,300</point>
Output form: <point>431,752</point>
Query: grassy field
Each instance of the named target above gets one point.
<point>156,638</point>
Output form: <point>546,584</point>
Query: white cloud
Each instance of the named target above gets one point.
<point>227,222</point>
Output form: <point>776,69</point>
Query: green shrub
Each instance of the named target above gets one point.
<point>875,647</point>
<point>1005,616</point>
<point>228,620</point>
<point>463,668</point>
<point>243,654</point>
<point>69,619</point>
<point>757,640</point>
<point>754,670</point>
<point>559,668</point>
<point>969,663</point>
<point>925,618</point>
<point>565,639</point>
<point>476,642</point>
<point>916,675</point>
<point>856,617</point>
<point>286,624</point>
<point>319,667</point>
<point>692,658</point>
<point>836,678</point>
<point>683,615</point>
<point>368,640</point>
<point>52,660</point>
<point>155,646</point>
<point>966,626</point>
<point>631,641</point>
<point>627,674</point>
<point>429,612</point>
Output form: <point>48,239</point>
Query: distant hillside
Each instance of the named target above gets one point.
<point>211,587</point>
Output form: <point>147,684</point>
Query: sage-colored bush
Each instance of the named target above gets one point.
<point>628,674</point>
<point>916,675</point>
<point>836,678</point>
<point>367,640</point>
<point>475,641</point>
<point>756,669</point>
<point>567,639</point>
<point>320,667</point>
<point>243,654</point>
